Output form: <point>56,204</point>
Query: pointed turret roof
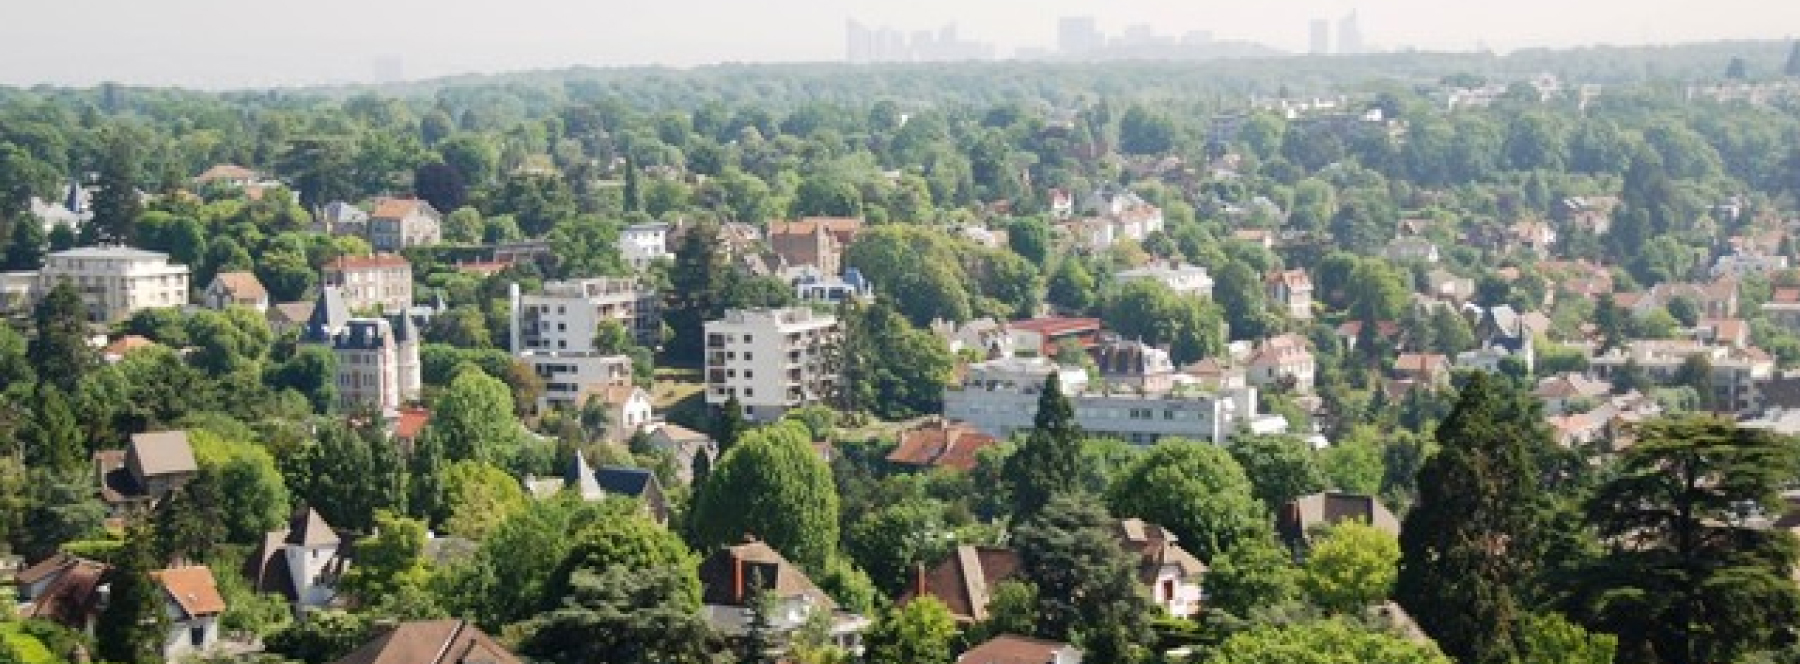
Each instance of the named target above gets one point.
<point>310,529</point>
<point>581,479</point>
<point>329,315</point>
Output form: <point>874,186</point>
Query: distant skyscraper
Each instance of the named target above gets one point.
<point>1321,37</point>
<point>859,43</point>
<point>1350,41</point>
<point>1078,35</point>
<point>389,69</point>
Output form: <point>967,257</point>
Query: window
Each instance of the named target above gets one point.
<point>748,374</point>
<point>749,391</point>
<point>746,338</point>
<point>197,636</point>
<point>748,356</point>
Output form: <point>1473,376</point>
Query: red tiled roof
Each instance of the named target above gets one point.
<point>225,172</point>
<point>126,344</point>
<point>412,421</point>
<point>1012,649</point>
<point>941,444</point>
<point>964,579</point>
<point>193,589</point>
<point>241,285</point>
<point>346,263</point>
<point>396,208</point>
<point>1056,325</point>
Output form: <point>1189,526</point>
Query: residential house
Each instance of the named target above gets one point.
<point>823,289</point>
<point>941,443</point>
<point>447,641</point>
<point>985,337</point>
<point>1610,422</point>
<point>194,609</point>
<point>1410,249</point>
<point>378,362</point>
<point>964,580</point>
<point>1736,374</point>
<point>1062,204</point>
<point>686,446</point>
<point>1173,576</point>
<point>1446,285</point>
<point>1183,279</point>
<point>154,465</point>
<point>301,562</point>
<point>72,212</point>
<point>235,289</point>
<point>1303,515</point>
<point>1413,370</point>
<point>116,351</point>
<point>1014,649</point>
<point>567,374</point>
<point>628,409</point>
<point>231,175</point>
<point>1502,333</point>
<point>341,219</point>
<point>399,223</point>
<point>1562,392</point>
<point>380,283</point>
<point>1718,299</point>
<point>815,242</point>
<point>772,360</point>
<point>1282,362</point>
<point>1738,264</point>
<point>1217,373</point>
<point>1533,235</point>
<point>18,290</point>
<point>1733,332</point>
<point>404,428</point>
<point>1045,336</point>
<point>285,316</point>
<point>1292,290</point>
<point>1386,332</point>
<point>1783,309</point>
<point>733,577</point>
<point>1260,237</point>
<point>636,483</point>
<point>643,244</point>
<point>1134,365</point>
<point>566,315</point>
<point>62,589</point>
<point>116,282</point>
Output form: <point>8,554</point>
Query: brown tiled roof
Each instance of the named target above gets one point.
<point>1786,295</point>
<point>1155,548</point>
<point>964,580</point>
<point>1055,325</point>
<point>241,285</point>
<point>1012,649</point>
<point>71,599</point>
<point>942,444</point>
<point>383,260</point>
<point>431,642</point>
<point>1291,278</point>
<point>225,172</point>
<point>727,576</point>
<point>162,453</point>
<point>126,344</point>
<point>290,312</point>
<point>116,483</point>
<point>193,589</point>
<point>843,229</point>
<point>55,564</point>
<point>412,421</point>
<point>310,529</point>
<point>1419,364</point>
<point>396,208</point>
<point>1330,508</point>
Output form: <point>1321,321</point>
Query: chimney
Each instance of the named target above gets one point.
<point>918,579</point>
<point>737,579</point>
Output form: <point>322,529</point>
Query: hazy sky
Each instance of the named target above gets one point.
<point>221,43</point>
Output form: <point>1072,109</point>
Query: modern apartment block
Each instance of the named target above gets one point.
<point>772,359</point>
<point>116,282</point>
<point>567,373</point>
<point>565,315</point>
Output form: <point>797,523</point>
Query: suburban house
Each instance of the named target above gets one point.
<point>686,445</point>
<point>341,218</point>
<point>1783,308</point>
<point>116,282</point>
<point>1173,575</point>
<point>1742,263</point>
<point>194,607</point>
<point>941,443</point>
<point>1293,291</point>
<point>61,589</point>
<point>302,562</point>
<point>1718,299</point>
<point>568,375</point>
<point>735,578</point>
<point>636,483</point>
<point>815,242</point>
<point>771,360</point>
<point>235,289</point>
<point>829,289</point>
<point>1044,336</point>
<point>231,175</point>
<point>383,282</point>
<point>1182,278</point>
<point>448,641</point>
<point>1533,235</point>
<point>1732,332</point>
<point>985,337</point>
<point>398,223</point>
<point>114,352</point>
<point>1414,370</point>
<point>378,364</point>
<point>154,465</point>
<point>1410,249</point>
<point>1283,362</point>
<point>566,315</point>
<point>643,244</point>
<point>1562,391</point>
<point>964,580</point>
<point>1301,516</point>
<point>1014,649</point>
<point>1134,365</point>
<point>628,409</point>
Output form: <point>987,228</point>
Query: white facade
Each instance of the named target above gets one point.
<point>1182,278</point>
<point>189,635</point>
<point>116,282</point>
<point>565,315</point>
<point>309,566</point>
<point>1001,399</point>
<point>1740,264</point>
<point>642,244</point>
<point>566,373</point>
<point>771,359</point>
<point>382,282</point>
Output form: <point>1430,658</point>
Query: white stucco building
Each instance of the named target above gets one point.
<point>116,282</point>
<point>567,373</point>
<point>642,244</point>
<point>1000,397</point>
<point>565,315</point>
<point>771,359</point>
<point>1182,278</point>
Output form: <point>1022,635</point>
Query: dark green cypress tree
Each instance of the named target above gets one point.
<point>729,424</point>
<point>59,350</point>
<point>1474,540</point>
<point>634,194</point>
<point>1049,462</point>
<point>116,204</point>
<point>135,621</point>
<point>25,245</point>
<point>55,435</point>
<point>425,490</point>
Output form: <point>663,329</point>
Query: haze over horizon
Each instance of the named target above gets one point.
<point>215,44</point>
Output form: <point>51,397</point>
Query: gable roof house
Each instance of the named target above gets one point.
<point>301,562</point>
<point>1282,360</point>
<point>1015,649</point>
<point>686,445</point>
<point>1413,370</point>
<point>447,641</point>
<point>154,465</point>
<point>814,241</point>
<point>398,223</point>
<point>240,289</point>
<point>734,577</point>
<point>195,606</point>
<point>941,443</point>
<point>638,483</point>
<point>71,591</point>
<point>1171,573</point>
<point>61,589</point>
<point>1302,515</point>
<point>1293,290</point>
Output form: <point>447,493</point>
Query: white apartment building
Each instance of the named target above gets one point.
<point>566,373</point>
<point>1736,373</point>
<point>565,315</point>
<point>382,282</point>
<point>116,282</point>
<point>642,244</point>
<point>771,359</point>
<point>1000,398</point>
<point>1182,278</point>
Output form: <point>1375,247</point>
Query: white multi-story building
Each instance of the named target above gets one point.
<point>1000,398</point>
<point>1182,278</point>
<point>1735,373</point>
<point>378,363</point>
<point>382,282</point>
<point>567,373</point>
<point>642,244</point>
<point>771,359</point>
<point>566,314</point>
<point>116,282</point>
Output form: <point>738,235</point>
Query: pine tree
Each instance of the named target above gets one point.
<point>1473,541</point>
<point>729,424</point>
<point>425,491</point>
<point>132,627</point>
<point>1087,584</point>
<point>55,435</point>
<point>116,204</point>
<point>1049,462</point>
<point>59,350</point>
<point>25,245</point>
<point>696,291</point>
<point>634,194</point>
